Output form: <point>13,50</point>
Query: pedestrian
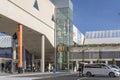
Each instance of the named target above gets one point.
<point>81,67</point>
<point>54,69</point>
<point>2,65</point>
<point>9,68</point>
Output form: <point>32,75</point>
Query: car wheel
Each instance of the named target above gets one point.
<point>112,74</point>
<point>88,74</point>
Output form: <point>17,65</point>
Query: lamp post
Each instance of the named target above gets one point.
<point>83,50</point>
<point>83,54</point>
<point>100,55</point>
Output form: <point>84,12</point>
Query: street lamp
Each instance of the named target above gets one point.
<point>83,55</point>
<point>99,54</point>
<point>100,57</point>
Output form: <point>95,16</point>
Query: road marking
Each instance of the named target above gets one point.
<point>82,78</point>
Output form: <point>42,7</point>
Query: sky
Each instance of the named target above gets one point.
<point>96,15</point>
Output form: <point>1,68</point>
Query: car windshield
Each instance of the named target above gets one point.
<point>114,66</point>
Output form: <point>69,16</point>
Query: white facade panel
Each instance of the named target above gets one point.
<point>23,12</point>
<point>103,41</point>
<point>45,12</point>
<point>63,3</point>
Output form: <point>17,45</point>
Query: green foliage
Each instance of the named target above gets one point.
<point>83,60</point>
<point>75,44</point>
<point>113,61</point>
<point>98,61</point>
<point>98,45</point>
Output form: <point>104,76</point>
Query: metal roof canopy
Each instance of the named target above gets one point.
<point>31,38</point>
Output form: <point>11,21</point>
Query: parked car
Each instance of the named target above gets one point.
<point>100,69</point>
<point>114,66</point>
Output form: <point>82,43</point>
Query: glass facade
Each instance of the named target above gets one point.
<point>5,52</point>
<point>64,39</point>
<point>105,56</point>
<point>96,55</point>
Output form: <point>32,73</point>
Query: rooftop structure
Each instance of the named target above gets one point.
<point>102,37</point>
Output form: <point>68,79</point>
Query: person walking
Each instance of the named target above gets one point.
<point>54,69</point>
<point>2,66</point>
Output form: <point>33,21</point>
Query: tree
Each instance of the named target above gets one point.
<point>113,61</point>
<point>98,61</point>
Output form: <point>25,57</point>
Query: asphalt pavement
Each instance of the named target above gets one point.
<point>64,77</point>
<point>34,76</point>
<point>75,77</point>
<point>53,76</point>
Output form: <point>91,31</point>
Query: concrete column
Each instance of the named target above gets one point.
<point>14,49</point>
<point>24,59</point>
<point>33,60</point>
<point>68,60</point>
<point>60,60</point>
<point>14,56</point>
<point>42,53</point>
<point>77,65</point>
<point>106,61</point>
<point>91,62</point>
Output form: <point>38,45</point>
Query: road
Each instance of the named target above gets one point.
<point>56,76</point>
<point>68,77</point>
<point>75,77</point>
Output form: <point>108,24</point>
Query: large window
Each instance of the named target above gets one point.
<point>96,55</point>
<point>6,53</point>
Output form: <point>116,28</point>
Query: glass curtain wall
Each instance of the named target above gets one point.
<point>64,38</point>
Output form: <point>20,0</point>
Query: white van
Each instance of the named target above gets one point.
<point>100,69</point>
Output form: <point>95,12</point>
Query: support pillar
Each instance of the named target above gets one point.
<point>20,26</point>
<point>14,56</point>
<point>42,53</point>
<point>14,49</point>
<point>24,59</point>
<point>77,65</point>
<point>91,61</point>
<point>106,61</point>
<point>33,60</point>
<point>68,60</point>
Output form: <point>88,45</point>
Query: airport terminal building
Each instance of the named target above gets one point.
<point>98,45</point>
<point>40,33</point>
<point>37,34</point>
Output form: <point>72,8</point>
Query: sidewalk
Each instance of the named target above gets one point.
<point>32,76</point>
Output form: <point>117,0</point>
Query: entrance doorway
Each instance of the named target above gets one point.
<point>37,65</point>
<point>6,65</point>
